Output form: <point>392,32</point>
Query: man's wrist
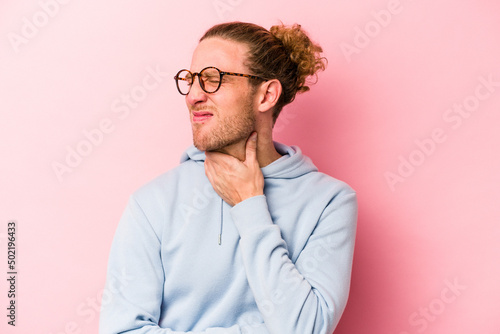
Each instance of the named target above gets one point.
<point>251,212</point>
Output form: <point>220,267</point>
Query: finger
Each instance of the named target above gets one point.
<point>251,148</point>
<point>218,158</point>
<point>212,170</point>
<point>212,161</point>
<point>207,168</point>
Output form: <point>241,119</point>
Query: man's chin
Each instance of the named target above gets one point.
<point>205,141</point>
<point>210,145</point>
<point>200,147</point>
<point>203,145</point>
<point>207,147</point>
<point>200,140</point>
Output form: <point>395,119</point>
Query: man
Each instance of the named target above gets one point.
<point>245,235</point>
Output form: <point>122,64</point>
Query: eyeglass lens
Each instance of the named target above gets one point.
<point>209,80</point>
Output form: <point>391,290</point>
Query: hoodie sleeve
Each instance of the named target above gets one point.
<point>307,296</point>
<point>132,297</point>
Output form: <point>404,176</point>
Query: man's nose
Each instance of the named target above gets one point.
<point>196,93</point>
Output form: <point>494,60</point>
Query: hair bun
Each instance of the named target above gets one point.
<point>302,51</point>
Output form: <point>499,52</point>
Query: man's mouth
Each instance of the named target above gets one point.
<point>201,116</point>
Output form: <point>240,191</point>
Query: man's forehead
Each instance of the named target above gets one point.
<point>224,54</point>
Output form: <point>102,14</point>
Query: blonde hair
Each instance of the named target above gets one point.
<point>283,52</point>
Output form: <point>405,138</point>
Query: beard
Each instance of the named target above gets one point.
<point>227,131</point>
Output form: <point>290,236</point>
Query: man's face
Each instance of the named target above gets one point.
<point>225,117</point>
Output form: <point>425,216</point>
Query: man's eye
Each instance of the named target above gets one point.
<point>186,81</point>
<point>211,79</point>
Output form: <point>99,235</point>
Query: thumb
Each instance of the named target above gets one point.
<point>251,148</point>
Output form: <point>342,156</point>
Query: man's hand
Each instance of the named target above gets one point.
<point>234,180</point>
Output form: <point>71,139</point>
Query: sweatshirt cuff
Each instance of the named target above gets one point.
<point>252,213</point>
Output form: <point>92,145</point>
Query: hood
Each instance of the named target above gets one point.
<point>291,165</point>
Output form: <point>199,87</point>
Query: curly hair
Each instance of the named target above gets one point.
<point>283,52</point>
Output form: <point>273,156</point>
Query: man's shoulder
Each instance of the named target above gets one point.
<point>322,183</point>
<point>297,167</point>
<point>333,182</point>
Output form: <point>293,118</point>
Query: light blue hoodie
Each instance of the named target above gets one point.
<point>182,260</point>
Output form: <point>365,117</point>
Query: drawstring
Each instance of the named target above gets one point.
<point>221,220</point>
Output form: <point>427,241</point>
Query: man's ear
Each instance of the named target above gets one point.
<point>269,94</point>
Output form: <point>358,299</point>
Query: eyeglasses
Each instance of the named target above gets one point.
<point>210,79</point>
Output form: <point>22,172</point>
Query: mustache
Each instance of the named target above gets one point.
<point>202,108</point>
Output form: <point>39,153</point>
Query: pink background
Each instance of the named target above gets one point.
<point>397,70</point>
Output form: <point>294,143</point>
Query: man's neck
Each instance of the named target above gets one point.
<point>266,152</point>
